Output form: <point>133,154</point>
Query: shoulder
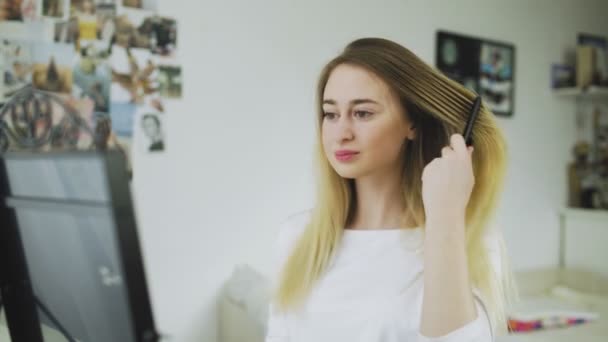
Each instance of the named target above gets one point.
<point>495,246</point>
<point>291,228</point>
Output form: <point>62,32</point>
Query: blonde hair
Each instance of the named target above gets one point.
<point>438,107</point>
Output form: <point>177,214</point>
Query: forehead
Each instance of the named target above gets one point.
<point>348,82</point>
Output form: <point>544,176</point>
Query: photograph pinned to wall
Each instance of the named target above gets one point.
<point>458,58</point>
<point>131,29</point>
<point>92,76</point>
<point>150,130</point>
<point>84,13</point>
<point>17,65</point>
<point>170,81</point>
<point>66,31</point>
<point>134,87</point>
<point>10,10</point>
<point>149,5</point>
<point>65,133</point>
<point>106,14</point>
<point>122,116</point>
<point>52,69</point>
<point>57,9</point>
<point>138,25</point>
<point>163,34</point>
<point>54,121</point>
<point>483,66</point>
<point>496,77</point>
<point>134,74</point>
<point>94,19</point>
<point>18,10</point>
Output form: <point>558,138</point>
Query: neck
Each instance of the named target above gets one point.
<point>379,202</point>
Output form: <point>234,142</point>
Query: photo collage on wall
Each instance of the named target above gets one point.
<point>116,61</point>
<point>483,66</point>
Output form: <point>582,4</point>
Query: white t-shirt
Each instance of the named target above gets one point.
<point>371,292</point>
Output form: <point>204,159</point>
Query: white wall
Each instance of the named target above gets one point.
<point>239,145</point>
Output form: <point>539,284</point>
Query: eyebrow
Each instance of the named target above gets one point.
<point>352,102</point>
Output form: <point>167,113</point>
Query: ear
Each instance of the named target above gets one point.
<point>412,132</point>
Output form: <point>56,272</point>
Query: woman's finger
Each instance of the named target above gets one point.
<point>446,151</point>
<point>458,144</point>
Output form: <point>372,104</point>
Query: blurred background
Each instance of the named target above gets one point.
<point>229,155</point>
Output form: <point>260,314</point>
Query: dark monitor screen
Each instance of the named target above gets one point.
<point>75,222</point>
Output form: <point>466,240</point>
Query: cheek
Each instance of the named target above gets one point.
<point>326,138</point>
<point>378,137</point>
<point>384,142</point>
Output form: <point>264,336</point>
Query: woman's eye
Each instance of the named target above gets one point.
<point>362,113</point>
<point>328,115</point>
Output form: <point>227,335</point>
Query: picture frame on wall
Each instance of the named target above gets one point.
<point>484,66</point>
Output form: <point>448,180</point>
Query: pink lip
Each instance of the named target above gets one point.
<point>344,152</point>
<point>345,155</point>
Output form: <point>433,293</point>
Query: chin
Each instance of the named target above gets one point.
<point>347,176</point>
<point>348,171</point>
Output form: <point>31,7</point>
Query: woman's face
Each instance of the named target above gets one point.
<point>87,7</point>
<point>360,113</point>
<point>151,128</point>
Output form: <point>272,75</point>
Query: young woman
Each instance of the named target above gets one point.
<point>400,245</point>
<point>87,21</point>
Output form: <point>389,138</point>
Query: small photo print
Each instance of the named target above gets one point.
<point>496,77</point>
<point>458,58</point>
<point>52,69</point>
<point>84,13</point>
<point>17,10</point>
<point>163,33</point>
<point>150,5</point>
<point>122,116</point>
<point>53,121</point>
<point>55,8</point>
<point>170,81</point>
<point>10,10</point>
<point>134,75</point>
<point>95,19</point>
<point>143,28</point>
<point>106,15</point>
<point>66,133</point>
<point>151,126</point>
<point>483,66</point>
<point>66,31</point>
<point>131,31</point>
<point>92,76</point>
<point>17,65</point>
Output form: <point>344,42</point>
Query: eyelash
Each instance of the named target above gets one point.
<point>367,114</point>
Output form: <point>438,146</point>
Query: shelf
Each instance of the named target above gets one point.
<point>592,92</point>
<point>595,214</point>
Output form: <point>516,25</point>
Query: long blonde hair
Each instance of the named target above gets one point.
<point>438,107</point>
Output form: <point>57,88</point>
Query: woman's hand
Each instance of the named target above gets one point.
<point>447,182</point>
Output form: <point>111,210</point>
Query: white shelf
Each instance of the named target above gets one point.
<point>595,214</point>
<point>592,92</point>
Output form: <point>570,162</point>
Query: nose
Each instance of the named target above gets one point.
<point>344,128</point>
